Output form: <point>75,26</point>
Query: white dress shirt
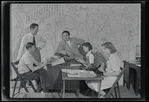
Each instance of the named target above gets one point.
<point>68,42</point>
<point>24,60</point>
<point>113,64</point>
<point>29,38</point>
<point>90,56</point>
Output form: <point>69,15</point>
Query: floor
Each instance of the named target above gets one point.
<point>125,93</point>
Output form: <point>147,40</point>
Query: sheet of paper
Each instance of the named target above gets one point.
<point>79,73</point>
<point>87,74</point>
<point>75,65</point>
<point>57,61</point>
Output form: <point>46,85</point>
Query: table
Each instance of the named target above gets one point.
<point>132,67</point>
<point>55,77</point>
<point>66,78</point>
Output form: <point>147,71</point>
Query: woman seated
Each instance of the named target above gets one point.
<point>87,47</point>
<point>111,71</point>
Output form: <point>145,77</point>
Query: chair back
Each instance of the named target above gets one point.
<point>119,76</point>
<point>115,83</point>
<point>16,70</point>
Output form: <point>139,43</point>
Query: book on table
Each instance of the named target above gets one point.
<point>79,73</point>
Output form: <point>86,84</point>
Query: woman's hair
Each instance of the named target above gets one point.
<point>66,32</point>
<point>109,46</point>
<point>87,44</point>
<point>33,25</point>
<point>29,45</point>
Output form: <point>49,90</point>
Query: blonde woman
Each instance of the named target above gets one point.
<point>110,72</point>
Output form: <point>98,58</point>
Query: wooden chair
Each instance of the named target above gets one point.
<point>115,86</point>
<point>22,81</point>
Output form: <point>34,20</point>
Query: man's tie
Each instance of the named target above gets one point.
<point>34,41</point>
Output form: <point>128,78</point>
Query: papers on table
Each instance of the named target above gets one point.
<point>57,61</point>
<point>79,73</point>
<point>75,65</point>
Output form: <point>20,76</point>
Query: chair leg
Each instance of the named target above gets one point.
<point>92,93</point>
<point>118,90</point>
<point>87,91</point>
<point>32,86</point>
<point>24,86</point>
<point>14,89</point>
<point>115,92</point>
<point>109,93</point>
<point>112,95</point>
<point>20,87</point>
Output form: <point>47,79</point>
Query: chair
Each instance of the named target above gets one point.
<point>22,81</point>
<point>115,86</point>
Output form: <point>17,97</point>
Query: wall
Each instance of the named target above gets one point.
<point>96,23</point>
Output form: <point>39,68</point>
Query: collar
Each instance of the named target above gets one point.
<point>28,54</point>
<point>88,53</point>
<point>30,34</point>
<point>111,55</point>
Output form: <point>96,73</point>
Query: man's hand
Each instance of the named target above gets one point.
<point>45,62</point>
<point>68,53</point>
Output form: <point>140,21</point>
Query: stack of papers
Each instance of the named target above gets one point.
<point>57,61</point>
<point>79,73</point>
<point>87,74</point>
<point>75,65</point>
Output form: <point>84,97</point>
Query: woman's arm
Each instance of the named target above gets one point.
<point>115,73</point>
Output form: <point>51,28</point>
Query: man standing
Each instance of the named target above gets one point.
<point>30,69</point>
<point>69,46</point>
<point>32,37</point>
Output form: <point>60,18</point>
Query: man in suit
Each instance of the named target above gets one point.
<point>69,46</point>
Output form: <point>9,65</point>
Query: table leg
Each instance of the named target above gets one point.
<point>77,93</point>
<point>63,95</point>
<point>62,89</point>
<point>99,86</point>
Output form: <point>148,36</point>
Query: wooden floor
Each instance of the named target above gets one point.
<point>125,93</point>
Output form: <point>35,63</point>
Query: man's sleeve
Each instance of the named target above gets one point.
<point>60,49</point>
<point>28,61</point>
<point>22,48</point>
<point>79,41</point>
